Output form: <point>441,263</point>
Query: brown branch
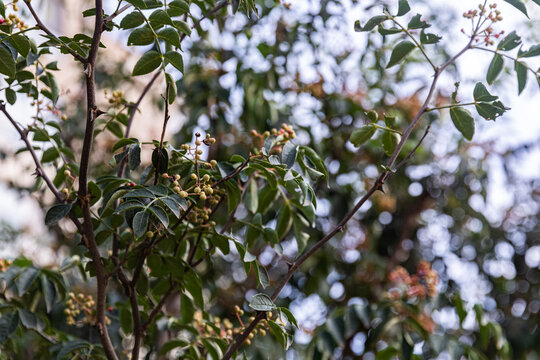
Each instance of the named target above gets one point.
<point>232,174</point>
<point>42,26</point>
<point>165,121</point>
<point>158,307</point>
<point>339,227</point>
<point>116,13</point>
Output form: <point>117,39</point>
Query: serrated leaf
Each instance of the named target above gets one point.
<point>140,222</point>
<point>7,63</point>
<point>141,36</point>
<point>518,5</point>
<point>463,121</point>
<point>262,302</point>
<point>175,59</point>
<point>495,68</point>
<point>360,136</point>
<point>147,63</point>
<point>509,42</point>
<point>170,35</point>
<point>403,7</point>
<point>132,20</point>
<point>401,50</point>
<point>521,72</point>
<point>56,213</point>
<point>370,24</point>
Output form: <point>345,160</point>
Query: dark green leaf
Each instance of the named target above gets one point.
<point>147,63</point>
<point>179,4</point>
<point>288,154</point>
<point>53,85</point>
<point>194,286</point>
<point>390,31</point>
<point>124,142</point>
<point>8,324</point>
<point>21,44</point>
<point>25,280</point>
<point>533,51</point>
<point>518,5</point>
<point>132,20</point>
<point>417,23</point>
<point>175,59</point>
<point>403,7</point>
<point>289,316</point>
<point>490,111</point>
<point>160,160</point>
<point>371,23</point>
<point>463,121</point>
<point>172,205</point>
<point>170,35</point>
<point>141,36</point>
<point>7,63</point>
<point>11,96</point>
<point>263,277</point>
<point>360,136</point>
<point>284,221</point>
<point>401,50</point>
<point>160,214</point>
<point>56,213</point>
<point>252,197</point>
<point>509,42</point>
<point>495,68</point>
<point>480,93</point>
<point>159,18</point>
<point>126,321</point>
<point>426,38</point>
<point>183,27</point>
<point>140,222</point>
<point>262,302</point>
<point>521,72</point>
<point>134,156</point>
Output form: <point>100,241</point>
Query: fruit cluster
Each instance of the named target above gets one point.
<point>420,285</point>
<point>81,304</point>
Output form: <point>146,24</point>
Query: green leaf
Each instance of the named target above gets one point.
<point>495,68</point>
<point>132,20</point>
<point>480,93</point>
<point>124,142</point>
<point>289,316</point>
<point>490,111</point>
<point>393,30</point>
<point>172,88</point>
<point>182,26</point>
<point>175,59</point>
<point>160,214</point>
<point>11,96</point>
<point>129,205</point>
<point>463,121</point>
<point>179,4</point>
<point>252,197</point>
<point>56,213</point>
<point>50,155</point>
<point>159,18</point>
<point>254,230</point>
<point>263,277</point>
<point>403,7</point>
<point>147,63</point>
<point>401,50</point>
<point>284,221</point>
<point>7,63</point>
<point>518,5</point>
<point>160,160</point>
<point>53,85</point>
<point>521,72</point>
<point>288,154</point>
<point>126,320</point>
<point>426,38</point>
<point>171,205</point>
<point>9,322</point>
<point>140,222</point>
<point>170,35</point>
<point>417,23</point>
<point>360,136</point>
<point>370,24</point>
<point>302,238</point>
<point>141,36</point>
<point>25,280</point>
<point>134,156</point>
<point>21,44</point>
<point>262,302</point>
<point>509,42</point>
<point>533,51</point>
<point>194,286</point>
<point>390,141</point>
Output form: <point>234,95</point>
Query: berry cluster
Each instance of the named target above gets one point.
<point>117,98</point>
<point>420,285</point>
<point>283,135</point>
<point>81,304</point>
<point>13,19</point>
<point>492,16</point>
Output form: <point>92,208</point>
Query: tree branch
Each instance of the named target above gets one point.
<point>338,228</point>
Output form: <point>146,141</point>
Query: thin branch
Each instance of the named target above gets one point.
<point>413,151</point>
<point>218,7</point>
<point>339,227</point>
<point>232,174</point>
<point>158,307</point>
<point>165,121</point>
<point>42,26</point>
<point>116,13</point>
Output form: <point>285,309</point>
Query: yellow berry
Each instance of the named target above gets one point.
<point>203,197</point>
<point>149,234</point>
<point>64,117</point>
<point>194,176</point>
<point>213,162</point>
<point>197,142</point>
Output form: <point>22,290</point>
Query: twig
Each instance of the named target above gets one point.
<point>116,13</point>
<point>218,7</point>
<point>44,28</point>
<point>165,121</point>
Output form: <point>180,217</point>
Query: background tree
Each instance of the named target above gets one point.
<point>292,141</point>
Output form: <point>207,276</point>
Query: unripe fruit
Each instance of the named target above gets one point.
<point>213,162</point>
<point>197,190</point>
<point>67,173</point>
<point>209,191</point>
<point>194,176</point>
<point>165,175</point>
<point>177,190</point>
<point>149,234</point>
<point>183,194</point>
<point>203,197</point>
<point>177,177</point>
<point>64,117</point>
<point>175,183</point>
<point>206,177</point>
<point>198,142</point>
